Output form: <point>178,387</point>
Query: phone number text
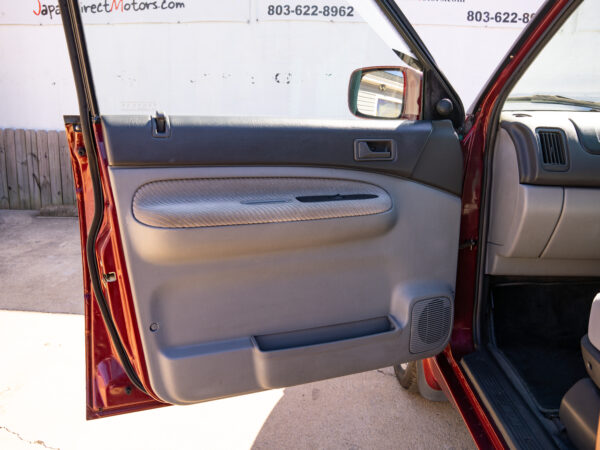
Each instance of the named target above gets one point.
<point>310,10</point>
<point>499,17</point>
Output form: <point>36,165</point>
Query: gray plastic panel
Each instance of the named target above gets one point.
<point>577,233</point>
<point>539,230</point>
<point>523,217</point>
<point>583,164</point>
<point>296,365</point>
<point>216,292</point>
<point>588,130</point>
<point>428,152</point>
<point>240,201</point>
<point>320,335</point>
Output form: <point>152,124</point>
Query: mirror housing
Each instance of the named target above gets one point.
<point>385,93</point>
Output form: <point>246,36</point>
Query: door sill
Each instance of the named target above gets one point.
<point>520,426</point>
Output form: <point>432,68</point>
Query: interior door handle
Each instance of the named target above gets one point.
<point>374,149</point>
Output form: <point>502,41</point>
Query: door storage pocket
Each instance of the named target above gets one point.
<point>295,357</point>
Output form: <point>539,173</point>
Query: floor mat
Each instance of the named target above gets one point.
<point>538,327</point>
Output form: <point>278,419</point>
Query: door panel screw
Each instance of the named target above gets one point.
<point>153,327</point>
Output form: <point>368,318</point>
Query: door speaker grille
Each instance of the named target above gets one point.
<point>431,320</point>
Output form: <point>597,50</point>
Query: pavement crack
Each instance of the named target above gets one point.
<point>21,438</point>
<point>382,372</point>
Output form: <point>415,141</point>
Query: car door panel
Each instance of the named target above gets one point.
<point>238,286</point>
<point>227,255</point>
<point>426,151</point>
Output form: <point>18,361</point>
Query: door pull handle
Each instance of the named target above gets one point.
<point>374,149</point>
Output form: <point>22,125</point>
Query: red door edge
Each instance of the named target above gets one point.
<point>109,390</point>
<point>458,390</point>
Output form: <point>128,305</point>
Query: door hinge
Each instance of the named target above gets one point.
<point>470,244</point>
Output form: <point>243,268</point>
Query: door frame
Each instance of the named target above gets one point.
<point>480,130</point>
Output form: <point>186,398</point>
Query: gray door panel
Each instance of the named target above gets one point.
<point>298,294</point>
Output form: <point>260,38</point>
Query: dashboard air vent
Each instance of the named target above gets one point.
<point>552,146</point>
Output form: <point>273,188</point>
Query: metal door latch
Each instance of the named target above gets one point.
<point>470,244</point>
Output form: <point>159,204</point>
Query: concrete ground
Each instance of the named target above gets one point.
<point>42,390</point>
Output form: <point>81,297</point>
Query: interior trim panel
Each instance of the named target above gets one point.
<point>210,202</point>
<point>425,151</point>
<point>245,307</point>
<point>539,229</point>
<point>582,166</point>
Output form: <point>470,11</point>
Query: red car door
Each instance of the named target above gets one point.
<point>225,255</point>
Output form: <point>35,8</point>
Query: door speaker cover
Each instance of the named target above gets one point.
<point>431,321</point>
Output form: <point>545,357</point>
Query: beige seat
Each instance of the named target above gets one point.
<point>580,407</point>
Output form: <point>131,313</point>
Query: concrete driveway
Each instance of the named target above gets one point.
<point>42,390</point>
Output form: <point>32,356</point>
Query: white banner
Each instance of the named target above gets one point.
<point>40,12</point>
<point>470,13</point>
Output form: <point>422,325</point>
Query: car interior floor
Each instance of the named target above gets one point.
<point>537,326</point>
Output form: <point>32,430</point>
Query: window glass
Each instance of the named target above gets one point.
<point>566,73</point>
<point>229,58</point>
<point>469,38</point>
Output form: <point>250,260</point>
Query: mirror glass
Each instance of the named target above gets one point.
<point>380,93</point>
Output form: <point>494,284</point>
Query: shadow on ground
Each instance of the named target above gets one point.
<point>366,410</point>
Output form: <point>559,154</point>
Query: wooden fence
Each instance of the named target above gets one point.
<point>35,169</point>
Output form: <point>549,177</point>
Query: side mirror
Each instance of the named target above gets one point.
<point>385,93</point>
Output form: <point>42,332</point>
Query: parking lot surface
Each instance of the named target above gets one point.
<point>42,386</point>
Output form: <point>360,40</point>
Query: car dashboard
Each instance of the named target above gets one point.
<point>545,195</point>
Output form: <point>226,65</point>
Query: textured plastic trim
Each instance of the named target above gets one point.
<point>209,202</point>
